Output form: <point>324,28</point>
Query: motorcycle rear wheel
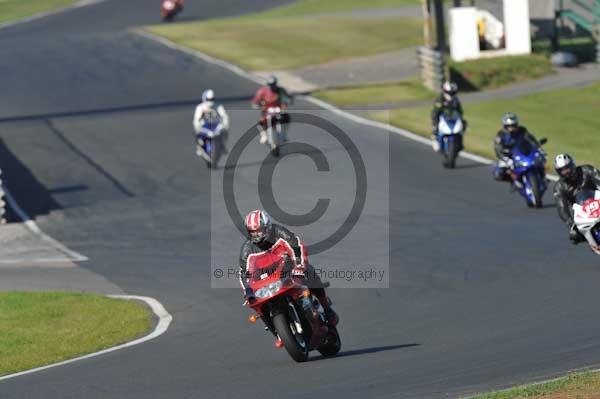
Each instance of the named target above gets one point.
<point>295,347</point>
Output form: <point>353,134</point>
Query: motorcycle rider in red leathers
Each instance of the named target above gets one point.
<point>262,235</point>
<point>267,97</point>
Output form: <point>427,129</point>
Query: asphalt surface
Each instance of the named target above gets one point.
<point>483,292</point>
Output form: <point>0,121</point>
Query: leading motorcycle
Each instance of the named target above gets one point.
<point>527,169</point>
<point>586,215</point>
<point>286,305</point>
<point>170,8</point>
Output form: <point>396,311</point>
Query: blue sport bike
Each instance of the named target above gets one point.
<point>449,138</point>
<point>526,167</point>
<point>209,141</point>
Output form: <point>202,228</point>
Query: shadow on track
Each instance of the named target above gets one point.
<point>116,110</point>
<point>472,165</point>
<point>31,195</point>
<point>366,351</point>
<point>88,160</point>
<point>269,159</point>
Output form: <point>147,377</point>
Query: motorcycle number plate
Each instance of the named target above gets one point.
<point>592,208</point>
<point>264,276</point>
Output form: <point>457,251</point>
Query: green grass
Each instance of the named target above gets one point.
<point>265,42</point>
<point>568,118</point>
<point>39,328</point>
<point>573,386</point>
<point>496,72</point>
<point>403,91</point>
<point>325,6</point>
<point>15,9</point>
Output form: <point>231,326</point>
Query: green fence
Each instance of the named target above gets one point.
<point>585,15</point>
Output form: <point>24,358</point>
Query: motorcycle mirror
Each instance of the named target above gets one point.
<point>543,141</point>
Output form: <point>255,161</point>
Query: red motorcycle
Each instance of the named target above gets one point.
<point>286,305</point>
<point>170,8</point>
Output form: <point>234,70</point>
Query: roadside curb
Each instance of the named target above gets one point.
<point>164,320</point>
<point>325,105</point>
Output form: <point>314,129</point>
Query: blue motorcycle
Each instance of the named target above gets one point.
<point>528,171</point>
<point>209,144</point>
<point>450,130</point>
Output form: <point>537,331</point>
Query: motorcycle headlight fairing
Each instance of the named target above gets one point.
<point>458,127</point>
<point>268,290</point>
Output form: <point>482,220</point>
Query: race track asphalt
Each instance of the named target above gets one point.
<point>483,292</point>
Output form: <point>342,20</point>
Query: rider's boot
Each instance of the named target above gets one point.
<point>330,314</point>
<point>435,144</point>
<point>263,135</point>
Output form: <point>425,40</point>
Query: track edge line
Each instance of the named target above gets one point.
<point>164,320</point>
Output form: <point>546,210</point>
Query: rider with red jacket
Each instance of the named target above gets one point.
<point>270,96</point>
<point>262,235</point>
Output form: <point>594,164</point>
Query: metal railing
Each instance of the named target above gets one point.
<point>586,15</point>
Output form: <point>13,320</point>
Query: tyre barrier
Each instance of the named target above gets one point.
<point>2,202</point>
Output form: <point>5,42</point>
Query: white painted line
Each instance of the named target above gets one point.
<point>579,370</point>
<point>40,15</point>
<point>33,227</point>
<point>355,118</point>
<point>164,320</point>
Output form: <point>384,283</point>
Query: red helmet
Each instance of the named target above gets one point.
<point>257,223</point>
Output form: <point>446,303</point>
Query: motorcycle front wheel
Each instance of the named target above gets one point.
<point>332,344</point>
<point>450,155</point>
<point>274,136</point>
<point>293,341</point>
<point>534,182</point>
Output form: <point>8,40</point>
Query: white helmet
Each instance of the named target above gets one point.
<point>449,88</point>
<point>564,165</point>
<point>208,95</point>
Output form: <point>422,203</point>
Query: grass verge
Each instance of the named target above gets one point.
<point>385,93</point>
<point>11,10</point>
<point>568,118</point>
<point>40,328</point>
<point>266,42</point>
<point>482,74</point>
<point>492,73</point>
<point>320,6</point>
<point>574,386</point>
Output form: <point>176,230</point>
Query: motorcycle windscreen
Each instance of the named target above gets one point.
<point>584,196</point>
<point>525,147</point>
